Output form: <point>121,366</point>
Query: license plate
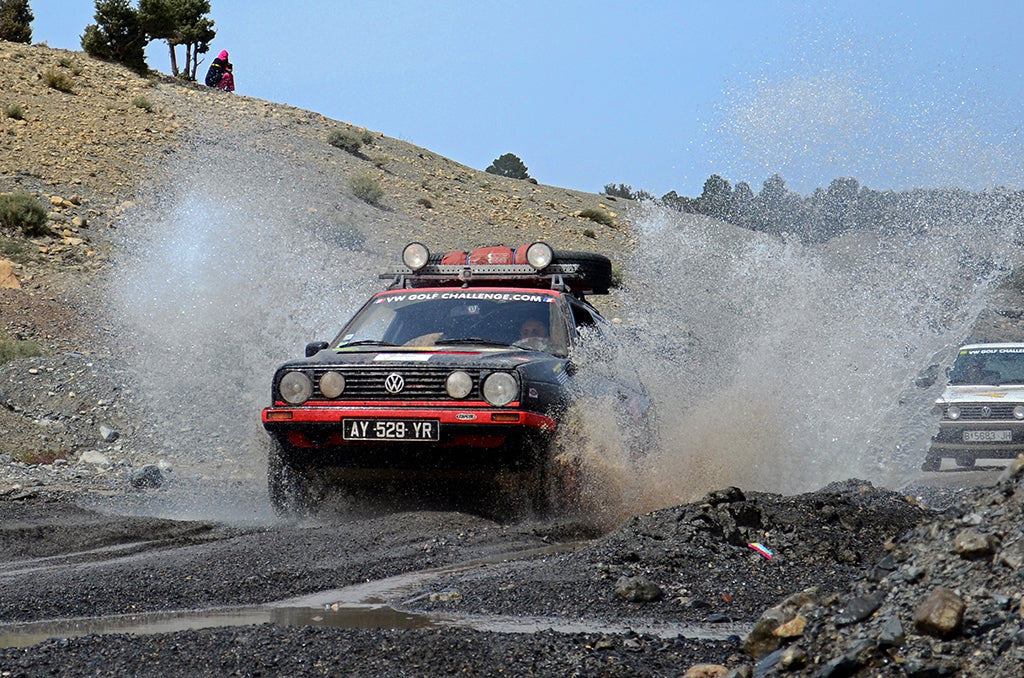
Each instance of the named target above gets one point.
<point>391,429</point>
<point>987,436</point>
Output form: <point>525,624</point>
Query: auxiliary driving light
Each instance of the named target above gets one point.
<point>1018,412</point>
<point>539,255</point>
<point>953,412</point>
<point>415,255</point>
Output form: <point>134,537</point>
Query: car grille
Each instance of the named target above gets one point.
<point>420,383</point>
<point>986,412</point>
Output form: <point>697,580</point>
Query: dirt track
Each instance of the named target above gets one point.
<point>465,594</point>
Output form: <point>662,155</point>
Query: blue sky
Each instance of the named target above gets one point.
<point>657,95</point>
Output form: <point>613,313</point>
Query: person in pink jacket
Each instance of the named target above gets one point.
<point>221,73</point>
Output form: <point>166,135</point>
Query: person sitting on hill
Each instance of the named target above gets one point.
<point>221,74</point>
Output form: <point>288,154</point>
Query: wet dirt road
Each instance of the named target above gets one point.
<point>86,591</point>
<point>82,588</point>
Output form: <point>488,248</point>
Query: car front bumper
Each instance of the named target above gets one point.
<point>990,439</point>
<point>483,438</point>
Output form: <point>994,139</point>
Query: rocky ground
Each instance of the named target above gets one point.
<point>861,581</point>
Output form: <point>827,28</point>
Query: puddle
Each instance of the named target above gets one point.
<point>371,605</point>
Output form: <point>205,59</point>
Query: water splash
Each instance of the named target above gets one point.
<point>226,270</point>
<point>782,367</point>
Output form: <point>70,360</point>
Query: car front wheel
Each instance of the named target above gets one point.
<point>286,483</point>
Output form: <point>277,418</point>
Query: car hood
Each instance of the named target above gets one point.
<point>454,357</point>
<point>978,394</point>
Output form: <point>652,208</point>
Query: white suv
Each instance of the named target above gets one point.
<point>982,407</point>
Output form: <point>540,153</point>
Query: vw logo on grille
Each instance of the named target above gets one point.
<point>986,411</point>
<point>394,383</point>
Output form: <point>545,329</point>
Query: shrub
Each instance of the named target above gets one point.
<point>589,233</point>
<point>143,103</point>
<point>617,275</point>
<point>16,111</point>
<point>22,211</point>
<point>350,140</point>
<point>14,250</point>
<point>367,187</point>
<point>425,202</point>
<point>58,80</point>
<point>599,215</point>
<point>11,349</point>
<point>39,457</point>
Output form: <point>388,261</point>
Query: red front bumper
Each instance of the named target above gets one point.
<point>282,416</point>
<point>469,437</point>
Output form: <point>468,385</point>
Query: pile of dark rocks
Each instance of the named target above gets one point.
<point>945,600</point>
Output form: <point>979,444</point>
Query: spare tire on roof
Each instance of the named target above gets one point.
<point>593,273</point>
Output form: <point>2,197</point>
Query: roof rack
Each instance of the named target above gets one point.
<point>554,276</point>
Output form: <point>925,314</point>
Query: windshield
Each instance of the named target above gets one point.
<point>523,319</point>
<point>989,366</point>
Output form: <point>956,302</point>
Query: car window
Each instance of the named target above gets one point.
<point>988,366</point>
<point>437,318</point>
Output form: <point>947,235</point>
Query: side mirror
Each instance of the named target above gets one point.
<point>314,347</point>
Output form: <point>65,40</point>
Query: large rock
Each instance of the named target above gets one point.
<point>775,623</point>
<point>941,614</point>
<point>8,281</point>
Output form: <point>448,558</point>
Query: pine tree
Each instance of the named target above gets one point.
<point>508,165</point>
<point>16,21</point>
<point>179,22</point>
<point>117,35</point>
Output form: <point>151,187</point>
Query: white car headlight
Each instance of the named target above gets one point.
<point>459,384</point>
<point>500,388</point>
<point>296,388</point>
<point>1018,412</point>
<point>953,412</point>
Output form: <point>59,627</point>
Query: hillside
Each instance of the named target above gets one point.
<point>89,151</point>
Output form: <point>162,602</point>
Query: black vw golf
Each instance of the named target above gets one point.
<point>463,368</point>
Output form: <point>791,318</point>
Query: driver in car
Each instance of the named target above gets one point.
<point>533,329</point>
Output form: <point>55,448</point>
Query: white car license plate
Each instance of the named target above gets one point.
<point>391,429</point>
<point>987,436</point>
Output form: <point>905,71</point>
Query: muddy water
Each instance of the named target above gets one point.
<point>377,604</point>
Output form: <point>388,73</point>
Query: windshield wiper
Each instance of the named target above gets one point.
<point>469,340</point>
<point>367,342</point>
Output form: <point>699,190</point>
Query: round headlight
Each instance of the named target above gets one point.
<point>953,412</point>
<point>500,389</point>
<point>332,384</point>
<point>459,384</point>
<point>1018,412</point>
<point>539,255</point>
<point>415,255</point>
<point>296,388</point>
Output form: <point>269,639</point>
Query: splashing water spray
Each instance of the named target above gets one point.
<point>228,274</point>
<point>777,366</point>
